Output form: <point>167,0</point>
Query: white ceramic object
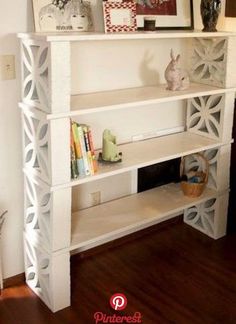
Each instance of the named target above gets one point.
<point>177,79</point>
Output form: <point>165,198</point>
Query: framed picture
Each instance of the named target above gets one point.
<point>168,14</point>
<point>62,15</point>
<point>230,8</point>
<point>119,16</point>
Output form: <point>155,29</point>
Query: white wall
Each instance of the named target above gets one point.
<point>17,17</point>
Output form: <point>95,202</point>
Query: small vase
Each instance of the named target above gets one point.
<point>210,10</point>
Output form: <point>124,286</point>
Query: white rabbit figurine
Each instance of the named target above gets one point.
<point>177,78</point>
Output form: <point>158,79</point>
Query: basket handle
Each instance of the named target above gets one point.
<point>182,165</point>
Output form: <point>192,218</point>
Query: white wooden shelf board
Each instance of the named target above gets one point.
<point>143,153</point>
<point>100,36</point>
<point>133,97</point>
<point>106,222</point>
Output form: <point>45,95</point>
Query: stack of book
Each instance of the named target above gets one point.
<point>83,160</point>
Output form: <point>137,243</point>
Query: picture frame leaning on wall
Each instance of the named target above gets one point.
<point>119,16</point>
<point>169,14</point>
<point>62,15</point>
<point>230,8</point>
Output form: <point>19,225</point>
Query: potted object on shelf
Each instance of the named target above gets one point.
<point>194,182</point>
<point>177,78</point>
<point>149,23</point>
<point>109,148</point>
<point>210,10</point>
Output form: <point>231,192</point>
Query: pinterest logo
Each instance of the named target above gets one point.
<point>118,301</point>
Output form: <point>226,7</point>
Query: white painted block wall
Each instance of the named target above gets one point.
<point>17,17</point>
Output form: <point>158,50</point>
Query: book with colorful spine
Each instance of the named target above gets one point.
<point>74,170</point>
<point>78,149</point>
<point>88,148</point>
<point>83,159</point>
<point>83,150</point>
<point>90,138</point>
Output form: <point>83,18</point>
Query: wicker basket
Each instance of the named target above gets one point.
<point>194,189</point>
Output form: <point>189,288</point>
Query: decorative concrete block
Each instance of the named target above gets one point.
<point>35,74</point>
<point>208,61</point>
<point>46,75</point>
<point>46,147</point>
<point>230,75</point>
<point>47,215</point>
<point>212,116</point>
<point>48,275</point>
<point>219,166</point>
<point>213,61</point>
<point>209,217</point>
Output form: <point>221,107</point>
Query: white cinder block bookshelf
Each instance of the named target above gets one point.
<point>51,231</point>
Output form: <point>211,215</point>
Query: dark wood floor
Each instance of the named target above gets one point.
<point>172,275</point>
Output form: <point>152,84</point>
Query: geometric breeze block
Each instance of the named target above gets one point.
<point>213,61</point>
<point>219,166</point>
<point>35,74</point>
<point>209,217</point>
<point>48,275</point>
<point>47,215</point>
<point>208,61</point>
<point>46,146</point>
<point>211,116</point>
<point>46,75</point>
<point>230,74</point>
<point>36,143</point>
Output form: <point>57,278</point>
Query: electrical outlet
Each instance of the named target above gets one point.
<point>95,198</point>
<point>8,70</point>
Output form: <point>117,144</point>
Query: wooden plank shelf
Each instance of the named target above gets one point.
<point>143,153</point>
<point>134,97</point>
<point>101,36</point>
<point>115,219</point>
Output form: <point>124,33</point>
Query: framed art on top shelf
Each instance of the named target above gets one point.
<point>168,14</point>
<point>230,8</point>
<point>119,16</point>
<point>62,15</point>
